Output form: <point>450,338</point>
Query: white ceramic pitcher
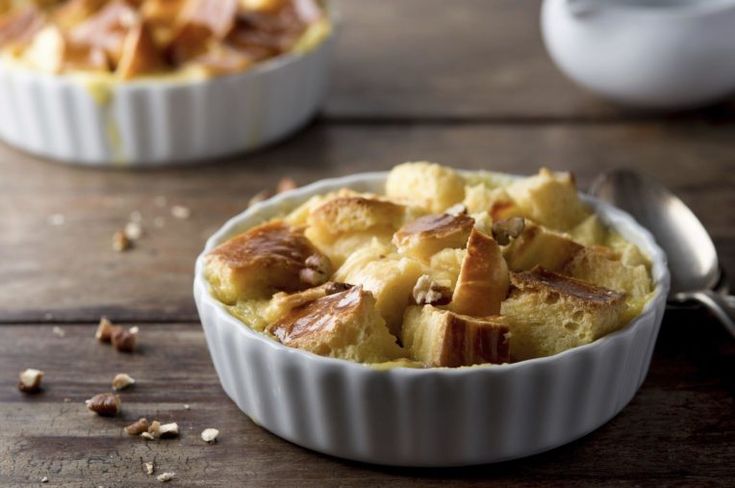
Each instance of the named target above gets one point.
<point>665,54</point>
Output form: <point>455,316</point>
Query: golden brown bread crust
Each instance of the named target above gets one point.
<point>316,316</point>
<point>435,227</point>
<point>540,279</point>
<point>356,213</point>
<point>345,324</point>
<point>443,338</point>
<point>538,246</point>
<point>272,256</point>
<point>468,341</point>
<point>425,236</point>
<point>483,279</point>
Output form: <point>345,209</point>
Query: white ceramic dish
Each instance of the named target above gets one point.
<point>654,54</point>
<point>153,122</point>
<point>426,417</point>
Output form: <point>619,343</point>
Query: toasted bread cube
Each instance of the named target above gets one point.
<point>46,52</point>
<point>341,225</point>
<point>494,201</point>
<point>548,313</point>
<point>139,54</point>
<point>428,235</point>
<point>107,29</point>
<point>389,277</point>
<point>444,267</point>
<point>268,258</point>
<point>299,217</point>
<point>536,246</point>
<point>483,280</point>
<point>345,214</point>
<point>590,231</point>
<point>18,28</point>
<point>439,337</point>
<point>427,185</point>
<point>550,199</point>
<point>73,12</point>
<point>282,303</point>
<point>603,267</point>
<point>343,325</point>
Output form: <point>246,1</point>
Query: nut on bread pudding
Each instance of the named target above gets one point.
<point>443,269</point>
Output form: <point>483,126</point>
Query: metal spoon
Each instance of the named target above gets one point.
<point>695,269</point>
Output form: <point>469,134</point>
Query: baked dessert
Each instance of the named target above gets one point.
<point>444,269</point>
<point>129,39</point>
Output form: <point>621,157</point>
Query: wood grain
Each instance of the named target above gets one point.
<point>467,60</point>
<point>678,431</point>
<point>72,273</point>
<point>470,59</point>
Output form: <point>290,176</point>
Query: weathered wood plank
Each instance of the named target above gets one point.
<point>467,59</point>
<point>678,431</point>
<point>71,272</point>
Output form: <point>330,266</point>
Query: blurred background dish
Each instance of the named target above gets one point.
<point>667,54</point>
<point>106,83</point>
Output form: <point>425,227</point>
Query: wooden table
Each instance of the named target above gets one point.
<point>466,84</point>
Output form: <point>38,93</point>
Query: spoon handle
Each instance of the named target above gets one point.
<point>723,306</point>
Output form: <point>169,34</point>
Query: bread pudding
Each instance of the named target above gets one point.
<point>128,39</point>
<point>443,269</point>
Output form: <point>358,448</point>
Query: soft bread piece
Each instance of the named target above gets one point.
<point>425,236</point>
<point>483,279</point>
<point>550,199</point>
<point>389,277</point>
<point>341,225</point>
<point>343,325</point>
<point>548,313</point>
<point>444,266</point>
<point>599,265</point>
<point>439,337</point>
<point>590,231</point>
<point>494,201</point>
<point>355,213</point>
<point>536,246</point>
<point>603,267</point>
<point>268,258</point>
<point>282,303</point>
<point>426,185</point>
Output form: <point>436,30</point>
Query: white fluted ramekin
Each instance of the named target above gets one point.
<point>153,122</point>
<point>427,417</point>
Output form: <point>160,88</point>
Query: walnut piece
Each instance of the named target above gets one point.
<point>120,241</point>
<point>124,340</point>
<point>210,435</point>
<point>30,380</point>
<point>105,330</point>
<point>286,184</point>
<point>149,467</point>
<point>180,212</point>
<point>137,427</point>
<point>104,404</point>
<point>166,431</point>
<point>122,381</point>
<point>163,477</point>
<point>428,292</point>
<point>259,197</point>
<point>133,231</point>
<point>505,230</point>
<point>316,271</point>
